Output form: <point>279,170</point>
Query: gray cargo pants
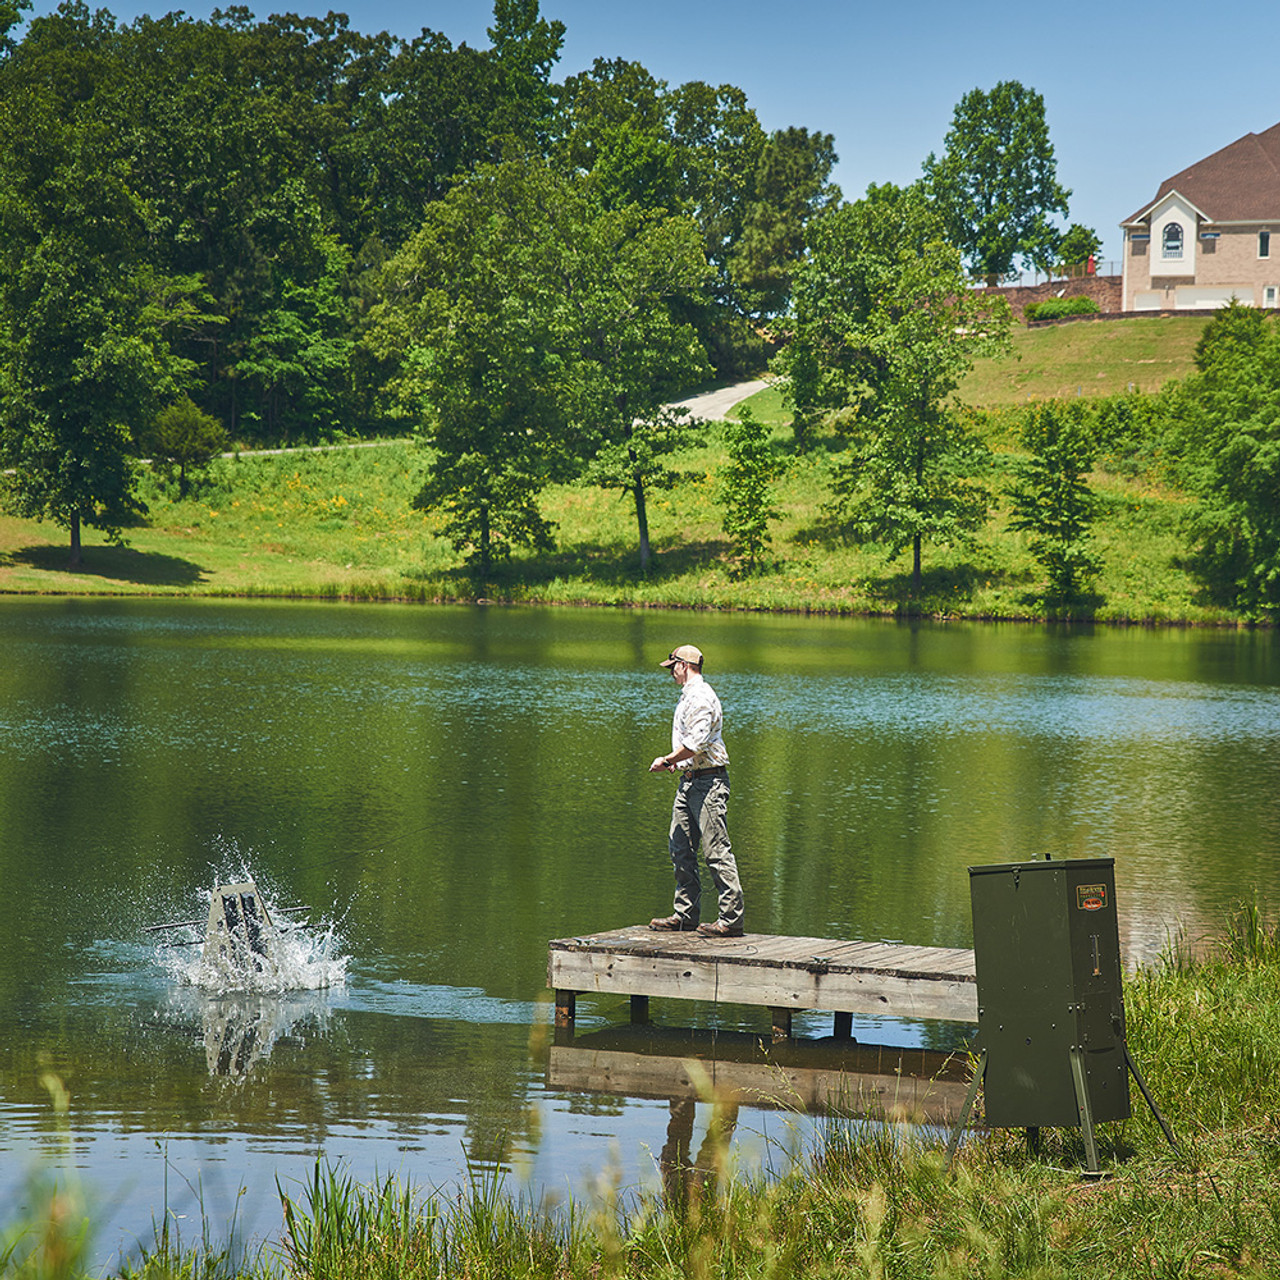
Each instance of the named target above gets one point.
<point>698,817</point>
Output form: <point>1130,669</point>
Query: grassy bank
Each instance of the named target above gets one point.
<point>340,524</point>
<point>875,1199</point>
<point>1087,358</point>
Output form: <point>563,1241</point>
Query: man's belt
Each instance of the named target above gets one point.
<point>715,771</point>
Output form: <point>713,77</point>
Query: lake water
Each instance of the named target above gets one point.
<point>449,788</point>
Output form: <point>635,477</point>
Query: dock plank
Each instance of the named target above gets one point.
<point>778,971</point>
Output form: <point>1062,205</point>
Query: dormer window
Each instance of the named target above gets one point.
<point>1264,244</point>
<point>1171,245</point>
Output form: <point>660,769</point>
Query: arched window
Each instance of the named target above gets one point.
<point>1172,247</point>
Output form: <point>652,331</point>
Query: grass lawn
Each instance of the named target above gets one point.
<point>1089,358</point>
<point>341,525</point>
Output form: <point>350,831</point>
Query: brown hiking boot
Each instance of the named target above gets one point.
<point>718,929</point>
<point>673,924</point>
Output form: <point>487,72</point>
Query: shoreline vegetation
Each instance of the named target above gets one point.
<point>874,1198</point>
<point>339,523</point>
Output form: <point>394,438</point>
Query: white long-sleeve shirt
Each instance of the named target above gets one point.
<point>697,723</point>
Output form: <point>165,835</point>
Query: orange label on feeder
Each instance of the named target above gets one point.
<point>1091,897</point>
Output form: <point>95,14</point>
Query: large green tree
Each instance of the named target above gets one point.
<point>633,352</point>
<point>699,150</point>
<point>537,338</point>
<point>476,318</point>
<point>885,327</point>
<point>996,183</point>
<point>790,188</point>
<point>86,321</point>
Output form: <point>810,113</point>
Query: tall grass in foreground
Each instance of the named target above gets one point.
<point>876,1199</point>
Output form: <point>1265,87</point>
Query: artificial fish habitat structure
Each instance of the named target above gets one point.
<point>243,948</point>
<point>239,936</point>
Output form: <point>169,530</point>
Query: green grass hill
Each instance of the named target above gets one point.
<point>1087,358</point>
<point>339,523</point>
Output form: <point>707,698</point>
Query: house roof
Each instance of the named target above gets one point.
<point>1240,183</point>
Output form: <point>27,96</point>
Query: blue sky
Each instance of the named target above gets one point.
<point>1132,93</point>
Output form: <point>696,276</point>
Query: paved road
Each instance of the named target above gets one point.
<point>713,405</point>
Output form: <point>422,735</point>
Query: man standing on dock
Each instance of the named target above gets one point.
<point>698,816</point>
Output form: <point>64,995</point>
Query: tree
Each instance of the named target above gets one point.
<point>885,327</point>
<point>1078,245</point>
<point>698,150</point>
<point>1232,339</point>
<point>631,351</point>
<point>791,186</point>
<point>477,318</point>
<point>536,336</point>
<point>996,184</point>
<point>86,321</point>
<point>10,16</point>
<point>182,441</point>
<point>1052,501</point>
<point>613,124</point>
<point>746,486</point>
<point>525,49</point>
<point>1226,420</point>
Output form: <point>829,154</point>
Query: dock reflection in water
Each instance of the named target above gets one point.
<point>730,1070</point>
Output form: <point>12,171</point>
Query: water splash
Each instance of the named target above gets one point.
<point>290,951</point>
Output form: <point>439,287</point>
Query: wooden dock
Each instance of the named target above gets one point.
<point>781,973</point>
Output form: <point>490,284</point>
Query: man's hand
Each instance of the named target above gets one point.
<point>661,765</point>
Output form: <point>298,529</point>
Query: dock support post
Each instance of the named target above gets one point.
<point>640,1009</point>
<point>843,1026</point>
<point>566,1007</point>
<point>781,1022</point>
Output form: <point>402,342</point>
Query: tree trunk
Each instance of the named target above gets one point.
<point>800,429</point>
<point>915,542</point>
<point>642,521</point>
<point>484,542</point>
<point>74,561</point>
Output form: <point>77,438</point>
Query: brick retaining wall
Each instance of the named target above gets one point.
<point>1104,290</point>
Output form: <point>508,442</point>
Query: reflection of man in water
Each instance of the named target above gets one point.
<point>698,815</point>
<point>684,1183</point>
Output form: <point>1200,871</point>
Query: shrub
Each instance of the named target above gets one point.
<point>1056,308</point>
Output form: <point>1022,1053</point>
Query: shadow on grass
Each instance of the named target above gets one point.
<point>118,564</point>
<point>1078,608</point>
<point>613,565</point>
<point>941,588</point>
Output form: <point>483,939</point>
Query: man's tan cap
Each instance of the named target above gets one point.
<point>685,653</point>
